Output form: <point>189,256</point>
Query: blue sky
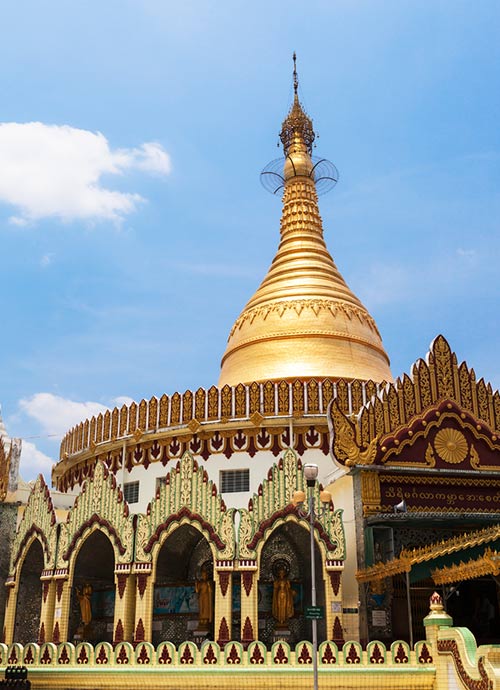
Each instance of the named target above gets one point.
<point>133,227</point>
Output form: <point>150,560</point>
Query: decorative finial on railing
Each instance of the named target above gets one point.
<point>436,603</point>
<point>437,616</point>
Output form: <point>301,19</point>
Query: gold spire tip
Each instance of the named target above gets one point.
<point>297,122</point>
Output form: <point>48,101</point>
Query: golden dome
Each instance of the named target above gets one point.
<point>303,321</point>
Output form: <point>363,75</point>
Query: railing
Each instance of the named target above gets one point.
<point>231,655</point>
<point>447,659</point>
<point>268,399</point>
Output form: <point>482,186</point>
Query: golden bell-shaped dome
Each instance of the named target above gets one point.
<point>303,321</point>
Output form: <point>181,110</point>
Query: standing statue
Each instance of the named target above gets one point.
<point>84,596</point>
<point>204,590</point>
<point>282,598</point>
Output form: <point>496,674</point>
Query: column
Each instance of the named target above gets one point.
<point>223,609</point>
<point>59,632</point>
<point>125,595</point>
<point>144,594</point>
<point>48,607</point>
<point>10,611</point>
<point>333,603</point>
<point>249,605</point>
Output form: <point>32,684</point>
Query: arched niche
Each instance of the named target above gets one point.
<point>288,547</point>
<point>178,564</point>
<point>94,567</point>
<point>29,595</point>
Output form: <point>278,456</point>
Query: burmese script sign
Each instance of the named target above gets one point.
<point>442,494</point>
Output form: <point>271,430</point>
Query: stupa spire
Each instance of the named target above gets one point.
<point>303,321</point>
<point>297,128</point>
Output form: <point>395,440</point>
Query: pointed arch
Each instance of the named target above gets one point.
<point>28,591</point>
<point>37,526</point>
<point>272,506</point>
<point>187,497</point>
<point>84,570</point>
<point>38,522</point>
<point>100,505</point>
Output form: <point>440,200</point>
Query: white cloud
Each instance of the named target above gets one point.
<point>466,253</point>
<point>56,170</point>
<point>34,462</point>
<point>122,400</point>
<point>46,259</point>
<point>17,220</point>
<point>152,158</point>
<point>56,415</point>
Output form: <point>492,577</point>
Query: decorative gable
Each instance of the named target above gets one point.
<point>39,519</point>
<point>273,502</point>
<point>442,413</point>
<point>187,495</point>
<point>100,503</point>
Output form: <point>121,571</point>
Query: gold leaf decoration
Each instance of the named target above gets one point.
<point>475,460</point>
<point>188,487</point>
<point>333,306</point>
<point>194,425</point>
<point>273,501</point>
<point>451,446</point>
<point>487,564</point>
<point>429,456</point>
<point>256,418</point>
<point>345,446</point>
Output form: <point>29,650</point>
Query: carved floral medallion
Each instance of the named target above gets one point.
<point>451,446</point>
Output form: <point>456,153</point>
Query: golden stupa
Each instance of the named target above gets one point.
<point>303,321</point>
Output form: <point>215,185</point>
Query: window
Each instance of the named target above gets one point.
<point>232,481</point>
<point>131,492</point>
<point>383,544</point>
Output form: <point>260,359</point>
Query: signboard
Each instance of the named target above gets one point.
<point>379,618</point>
<point>315,612</point>
<point>445,494</point>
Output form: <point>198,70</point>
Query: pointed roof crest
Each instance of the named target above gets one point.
<point>297,123</point>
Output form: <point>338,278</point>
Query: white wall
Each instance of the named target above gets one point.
<point>342,493</point>
<point>259,466</point>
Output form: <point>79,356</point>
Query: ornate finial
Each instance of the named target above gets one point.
<point>295,78</point>
<point>297,137</point>
<point>436,603</point>
<point>296,122</point>
<point>437,614</point>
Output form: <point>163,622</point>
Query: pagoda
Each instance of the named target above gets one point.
<point>186,527</point>
<point>303,321</point>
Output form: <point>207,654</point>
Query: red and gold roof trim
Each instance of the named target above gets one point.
<point>440,418</point>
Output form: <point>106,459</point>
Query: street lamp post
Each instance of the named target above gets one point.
<point>312,512</point>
